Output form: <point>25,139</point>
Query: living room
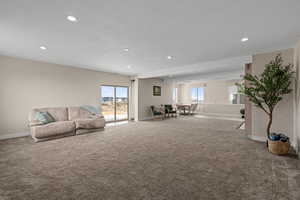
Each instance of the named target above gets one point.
<point>149,99</point>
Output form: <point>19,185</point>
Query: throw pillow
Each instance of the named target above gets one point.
<point>91,109</point>
<point>44,117</point>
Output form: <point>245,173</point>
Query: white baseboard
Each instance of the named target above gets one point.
<point>220,114</point>
<point>14,135</point>
<point>257,138</point>
<point>145,119</point>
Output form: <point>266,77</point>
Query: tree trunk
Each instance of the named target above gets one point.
<point>269,124</point>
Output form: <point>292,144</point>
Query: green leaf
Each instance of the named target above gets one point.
<point>268,89</point>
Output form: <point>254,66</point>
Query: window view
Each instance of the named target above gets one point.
<point>114,103</point>
<point>234,96</point>
<point>108,102</point>
<point>175,95</point>
<point>198,95</point>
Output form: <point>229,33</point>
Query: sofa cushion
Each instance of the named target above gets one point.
<point>89,123</point>
<point>58,113</point>
<point>53,129</point>
<point>77,112</point>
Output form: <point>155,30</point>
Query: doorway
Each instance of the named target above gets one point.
<point>114,103</point>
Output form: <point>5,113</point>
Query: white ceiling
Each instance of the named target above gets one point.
<point>193,32</point>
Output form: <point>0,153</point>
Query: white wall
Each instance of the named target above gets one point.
<point>146,98</point>
<point>25,84</point>
<point>296,140</point>
<point>284,111</point>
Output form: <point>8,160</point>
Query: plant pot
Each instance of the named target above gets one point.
<point>278,147</point>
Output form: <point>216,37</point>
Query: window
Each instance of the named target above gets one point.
<point>175,97</point>
<point>234,96</point>
<point>198,95</point>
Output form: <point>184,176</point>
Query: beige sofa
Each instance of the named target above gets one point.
<point>68,121</point>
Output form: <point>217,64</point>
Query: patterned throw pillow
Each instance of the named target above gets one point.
<point>92,109</point>
<point>44,117</point>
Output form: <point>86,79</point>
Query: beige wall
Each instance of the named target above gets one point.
<point>25,84</point>
<point>230,110</point>
<point>146,98</point>
<point>215,92</point>
<point>216,97</point>
<point>283,114</point>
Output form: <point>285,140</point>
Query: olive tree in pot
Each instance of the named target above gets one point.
<point>268,89</point>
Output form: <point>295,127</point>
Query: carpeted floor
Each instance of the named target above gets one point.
<point>187,158</point>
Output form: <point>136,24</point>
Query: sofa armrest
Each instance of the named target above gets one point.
<point>35,123</point>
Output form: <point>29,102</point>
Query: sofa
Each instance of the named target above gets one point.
<point>67,121</point>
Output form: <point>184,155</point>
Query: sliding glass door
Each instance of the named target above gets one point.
<point>121,103</point>
<point>108,102</point>
<point>114,103</point>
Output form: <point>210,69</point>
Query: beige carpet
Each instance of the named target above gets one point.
<point>187,158</point>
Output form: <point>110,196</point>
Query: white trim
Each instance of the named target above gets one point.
<point>219,117</point>
<point>257,138</point>
<point>220,114</point>
<point>146,118</point>
<point>14,135</point>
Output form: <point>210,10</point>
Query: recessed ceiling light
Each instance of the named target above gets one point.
<point>43,47</point>
<point>72,18</point>
<point>129,67</point>
<point>244,39</point>
<point>169,57</point>
<point>126,49</point>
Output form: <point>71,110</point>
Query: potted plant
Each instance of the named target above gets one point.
<point>266,91</point>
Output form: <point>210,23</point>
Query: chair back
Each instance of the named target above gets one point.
<point>168,107</point>
<point>194,107</point>
<point>152,108</point>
